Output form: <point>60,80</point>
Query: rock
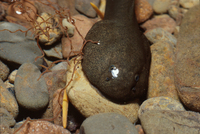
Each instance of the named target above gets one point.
<point>161,6</point>
<point>143,10</point>
<point>8,101</point>
<point>174,9</point>
<point>60,66</point>
<point>70,27</point>
<point>42,127</point>
<point>24,50</point>
<point>161,80</point>
<point>139,129</point>
<point>162,21</point>
<point>4,129</point>
<point>31,93</point>
<point>160,103</point>
<point>159,34</point>
<point>83,25</point>
<point>170,122</point>
<point>84,7</point>
<point>8,84</point>
<point>189,3</point>
<point>12,76</point>
<point>6,118</point>
<point>187,73</point>
<point>151,2</point>
<point>88,100</point>
<point>107,123</point>
<point>4,71</point>
<point>54,51</point>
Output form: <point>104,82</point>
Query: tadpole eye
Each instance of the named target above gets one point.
<point>137,77</point>
<point>107,79</point>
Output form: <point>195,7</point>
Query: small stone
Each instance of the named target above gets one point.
<point>4,71</point>
<point>8,84</point>
<point>6,118</point>
<point>84,7</point>
<point>60,66</point>
<point>83,25</point>
<point>89,101</point>
<point>159,34</point>
<point>160,103</point>
<point>161,6</point>
<point>42,127</point>
<point>107,123</point>
<point>31,93</point>
<point>70,28</point>
<point>187,63</point>
<point>170,122</point>
<point>54,51</point>
<point>143,10</point>
<point>161,80</point>
<point>162,21</point>
<point>151,2</point>
<point>12,76</point>
<point>4,129</point>
<point>7,100</point>
<point>139,129</point>
<point>189,3</point>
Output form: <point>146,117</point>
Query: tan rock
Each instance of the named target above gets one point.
<point>161,80</point>
<point>87,99</point>
<point>189,3</point>
<point>12,76</point>
<point>161,6</point>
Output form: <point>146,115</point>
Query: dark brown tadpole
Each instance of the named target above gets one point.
<point>118,65</point>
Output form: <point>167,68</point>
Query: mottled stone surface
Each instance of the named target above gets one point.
<point>107,123</point>
<point>89,102</point>
<point>187,63</point>
<point>31,93</point>
<point>4,71</point>
<point>161,80</point>
<point>160,103</point>
<point>170,122</point>
<point>6,118</point>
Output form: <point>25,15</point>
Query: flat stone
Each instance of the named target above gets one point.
<point>54,51</point>
<point>89,101</point>
<point>4,71</point>
<point>6,118</point>
<point>16,48</point>
<point>187,62</point>
<point>107,123</point>
<point>31,93</point>
<point>161,80</point>
<point>170,122</point>
<point>8,101</point>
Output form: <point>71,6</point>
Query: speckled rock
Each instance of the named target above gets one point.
<point>143,10</point>
<point>107,123</point>
<point>160,103</point>
<point>42,127</point>
<point>12,76</point>
<point>88,100</point>
<point>84,7</point>
<point>8,101</point>
<point>170,122</point>
<point>6,118</point>
<point>24,50</point>
<point>189,3</point>
<point>159,34</point>
<point>187,71</point>
<point>4,71</point>
<point>83,25</point>
<point>161,6</point>
<point>163,21</point>
<point>161,80</point>
<point>31,93</point>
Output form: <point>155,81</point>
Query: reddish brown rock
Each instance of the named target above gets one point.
<point>163,21</point>
<point>143,10</point>
<point>187,63</point>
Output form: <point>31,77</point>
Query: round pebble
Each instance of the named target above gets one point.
<point>4,71</point>
<point>161,6</point>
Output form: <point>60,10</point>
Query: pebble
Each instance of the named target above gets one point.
<point>143,10</point>
<point>170,122</point>
<point>162,21</point>
<point>8,101</point>
<point>42,127</point>
<point>160,103</point>
<point>161,6</point>
<point>54,52</point>
<point>187,62</point>
<point>31,93</point>
<point>87,99</point>
<point>189,3</point>
<point>139,129</point>
<point>12,76</point>
<point>4,71</point>
<point>6,118</point>
<point>151,2</point>
<point>60,66</point>
<point>159,34</point>
<point>4,129</point>
<point>83,25</point>
<point>84,7</point>
<point>107,123</point>
<point>161,80</point>
<point>70,27</point>
<point>24,50</point>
